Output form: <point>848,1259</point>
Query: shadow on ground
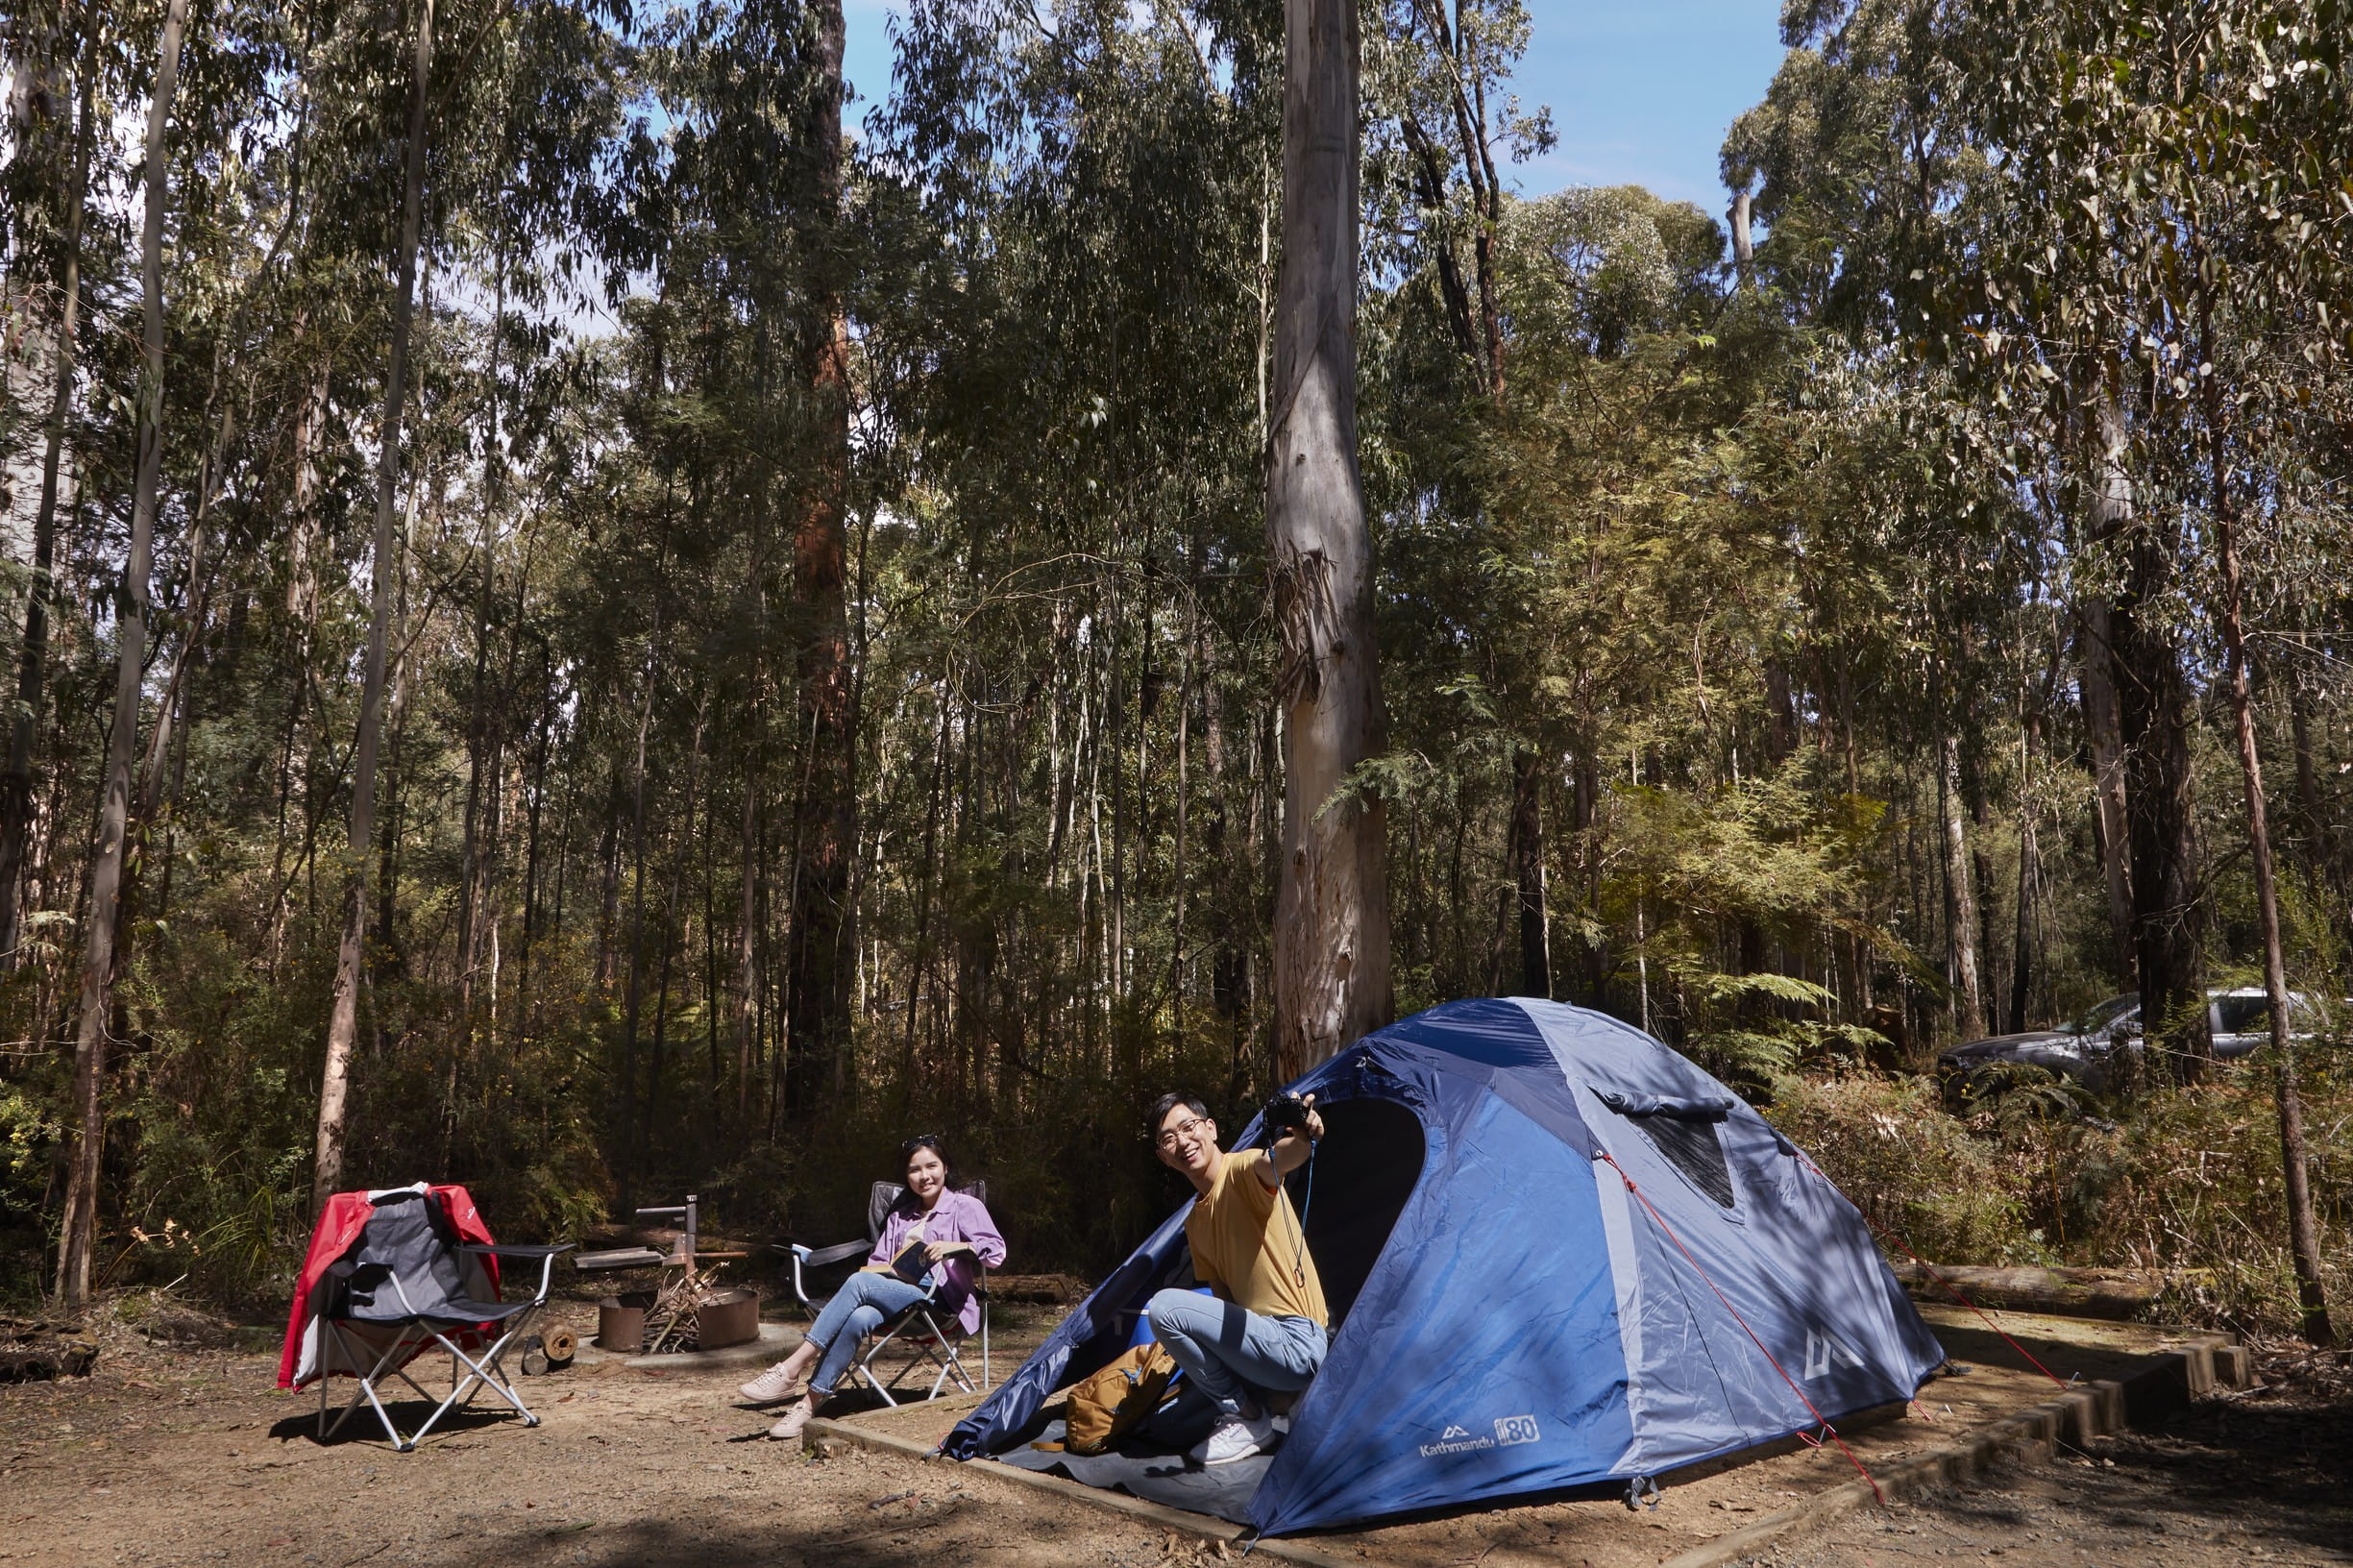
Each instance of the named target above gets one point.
<point>892,1531</point>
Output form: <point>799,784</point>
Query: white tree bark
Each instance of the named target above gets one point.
<point>2111,511</point>
<point>1332,918</point>
<point>343,1014</point>
<point>78,1237</point>
<point>1961,898</point>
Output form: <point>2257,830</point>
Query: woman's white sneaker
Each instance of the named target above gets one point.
<point>795,1418</point>
<point>1235,1438</point>
<point>773,1387</point>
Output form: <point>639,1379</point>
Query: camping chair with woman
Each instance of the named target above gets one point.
<point>935,1240</point>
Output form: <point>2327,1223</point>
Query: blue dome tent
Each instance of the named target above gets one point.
<point>1557,1254</point>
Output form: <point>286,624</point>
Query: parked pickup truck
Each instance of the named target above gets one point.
<point>2085,1048</point>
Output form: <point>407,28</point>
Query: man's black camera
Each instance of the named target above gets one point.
<point>1284,1113</point>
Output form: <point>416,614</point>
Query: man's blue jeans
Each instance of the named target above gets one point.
<point>857,1309</point>
<point>1231,1354</point>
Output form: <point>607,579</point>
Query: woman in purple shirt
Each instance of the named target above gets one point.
<point>958,1238</point>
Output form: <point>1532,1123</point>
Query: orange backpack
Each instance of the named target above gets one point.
<point>1103,1407</point>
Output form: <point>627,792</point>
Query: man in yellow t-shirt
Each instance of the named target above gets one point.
<point>1266,1329</point>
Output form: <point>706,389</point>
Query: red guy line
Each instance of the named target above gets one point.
<point>1657,1219</point>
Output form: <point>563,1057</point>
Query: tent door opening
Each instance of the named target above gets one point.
<point>1365,1169</point>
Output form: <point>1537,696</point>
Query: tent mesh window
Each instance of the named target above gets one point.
<point>1693,1148</point>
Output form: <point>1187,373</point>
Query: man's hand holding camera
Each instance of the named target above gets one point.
<point>1298,1127</point>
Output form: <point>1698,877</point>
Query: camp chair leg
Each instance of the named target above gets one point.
<point>930,1345</point>
<point>952,1365</point>
<point>948,1355</point>
<point>486,1373</point>
<point>876,1383</point>
<point>401,1345</point>
<point>864,1365</point>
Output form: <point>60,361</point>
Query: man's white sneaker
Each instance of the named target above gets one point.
<point>773,1387</point>
<point>1235,1438</point>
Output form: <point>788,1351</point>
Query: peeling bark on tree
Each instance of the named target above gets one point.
<point>1332,925</point>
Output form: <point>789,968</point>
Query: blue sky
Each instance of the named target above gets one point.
<point>1641,91</point>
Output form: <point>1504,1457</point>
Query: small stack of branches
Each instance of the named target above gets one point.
<point>670,1322</point>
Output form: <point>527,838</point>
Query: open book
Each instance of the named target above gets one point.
<point>909,1263</point>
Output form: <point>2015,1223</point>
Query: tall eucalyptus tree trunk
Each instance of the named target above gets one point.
<point>343,1016</point>
<point>2155,715</point>
<point>78,1235</point>
<point>747,939</point>
<point>1960,897</point>
<point>32,669</point>
<point>2110,511</point>
<point>820,938</point>
<point>485,741</point>
<point>2303,1225</point>
<point>1527,855</point>
<point>1332,916</point>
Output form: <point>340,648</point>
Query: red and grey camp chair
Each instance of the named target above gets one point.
<point>393,1279</point>
<point>918,1339</point>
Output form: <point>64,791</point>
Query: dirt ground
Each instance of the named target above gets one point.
<point>169,1457</point>
<point>2261,1475</point>
<point>172,1456</point>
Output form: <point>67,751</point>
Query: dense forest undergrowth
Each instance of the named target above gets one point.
<point>677,634</point>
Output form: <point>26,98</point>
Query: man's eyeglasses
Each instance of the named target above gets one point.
<point>1168,1137</point>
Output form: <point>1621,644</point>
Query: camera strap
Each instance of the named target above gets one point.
<point>1299,1267</point>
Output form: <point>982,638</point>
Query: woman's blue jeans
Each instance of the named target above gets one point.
<point>857,1310</point>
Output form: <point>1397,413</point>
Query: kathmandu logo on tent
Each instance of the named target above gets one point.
<point>1457,1439</point>
<point>1826,1352</point>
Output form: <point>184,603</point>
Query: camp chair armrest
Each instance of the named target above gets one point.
<point>544,1254</point>
<point>805,1259</point>
<point>503,1249</point>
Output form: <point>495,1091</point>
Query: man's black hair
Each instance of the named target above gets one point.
<point>1167,1103</point>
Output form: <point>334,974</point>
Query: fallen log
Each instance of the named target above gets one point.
<point>2065,1292</point>
<point>1037,1290</point>
<point>35,1327</point>
<point>48,1363</point>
